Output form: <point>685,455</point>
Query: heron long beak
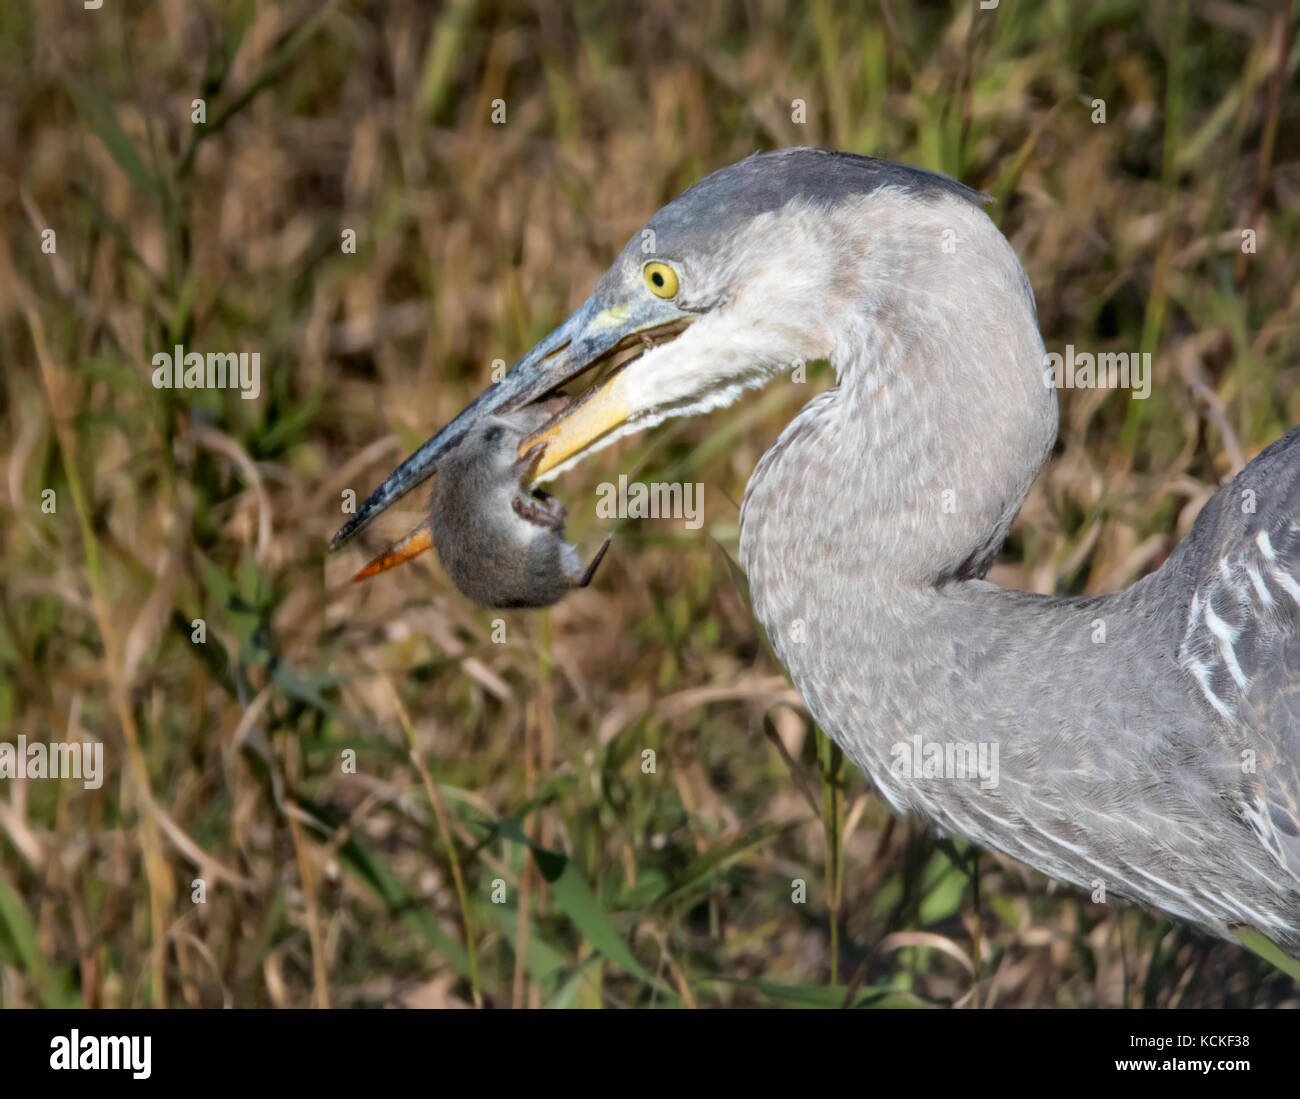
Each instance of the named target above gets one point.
<point>594,334</point>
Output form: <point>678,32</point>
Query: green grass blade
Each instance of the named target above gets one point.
<point>573,897</point>
<point>98,113</point>
<point>1258,944</point>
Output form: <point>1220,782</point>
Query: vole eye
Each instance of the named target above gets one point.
<point>661,279</point>
<point>493,435</point>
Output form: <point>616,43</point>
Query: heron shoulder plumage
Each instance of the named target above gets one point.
<point>1242,640</point>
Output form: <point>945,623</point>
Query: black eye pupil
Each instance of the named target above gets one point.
<point>657,279</point>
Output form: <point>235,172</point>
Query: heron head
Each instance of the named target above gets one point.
<point>742,276</point>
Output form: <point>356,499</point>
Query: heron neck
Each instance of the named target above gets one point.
<point>909,474</point>
<point>892,494</point>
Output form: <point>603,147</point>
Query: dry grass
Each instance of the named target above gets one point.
<point>224,759</point>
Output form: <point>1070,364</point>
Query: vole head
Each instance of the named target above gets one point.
<point>491,451</point>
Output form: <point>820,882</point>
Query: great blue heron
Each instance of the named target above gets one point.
<point>1147,740</point>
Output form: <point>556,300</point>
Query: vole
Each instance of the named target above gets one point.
<point>501,544</point>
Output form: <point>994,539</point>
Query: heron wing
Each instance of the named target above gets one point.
<point>1242,640</point>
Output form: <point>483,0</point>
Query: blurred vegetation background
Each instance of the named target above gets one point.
<point>512,771</point>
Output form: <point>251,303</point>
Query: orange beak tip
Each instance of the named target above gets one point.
<point>398,553</point>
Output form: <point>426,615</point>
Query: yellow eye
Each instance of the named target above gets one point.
<point>661,279</point>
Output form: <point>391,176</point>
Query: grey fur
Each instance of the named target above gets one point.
<point>489,549</point>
